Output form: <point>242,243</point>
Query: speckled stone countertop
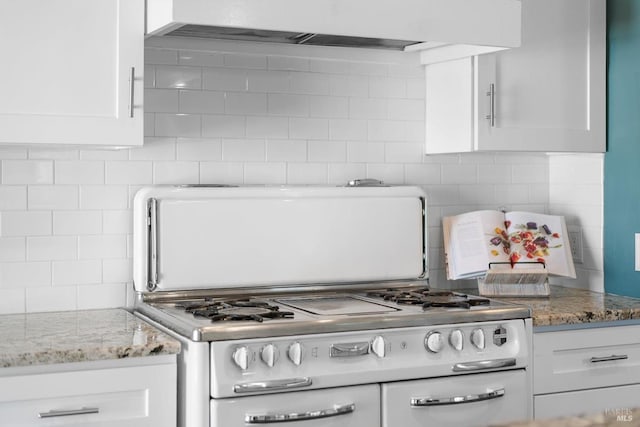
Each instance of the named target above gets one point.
<point>78,336</point>
<point>577,306</point>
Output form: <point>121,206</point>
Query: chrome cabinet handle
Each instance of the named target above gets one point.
<point>455,400</point>
<point>349,349</point>
<point>131,87</point>
<point>483,364</point>
<point>65,413</point>
<point>608,358</point>
<point>492,105</point>
<point>272,385</point>
<point>152,257</point>
<point>300,416</point>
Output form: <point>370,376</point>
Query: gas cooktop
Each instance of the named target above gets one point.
<point>213,318</point>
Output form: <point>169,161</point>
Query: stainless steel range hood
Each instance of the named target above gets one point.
<point>382,24</point>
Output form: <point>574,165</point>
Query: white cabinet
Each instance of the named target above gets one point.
<point>586,371</point>
<point>111,395</point>
<point>547,95</point>
<point>72,72</point>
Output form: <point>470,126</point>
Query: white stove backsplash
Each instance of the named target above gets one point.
<point>250,118</point>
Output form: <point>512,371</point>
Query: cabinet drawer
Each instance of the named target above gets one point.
<point>586,358</point>
<point>131,396</point>
<point>615,400</point>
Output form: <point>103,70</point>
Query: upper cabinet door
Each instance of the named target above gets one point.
<point>72,72</point>
<point>547,95</point>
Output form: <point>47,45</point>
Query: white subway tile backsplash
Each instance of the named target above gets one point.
<point>198,149</point>
<point>188,125</point>
<point>327,151</point>
<point>224,126</point>
<point>288,105</point>
<point>117,222</point>
<point>79,172</point>
<point>197,102</point>
<point>52,197</point>
<point>267,127</point>
<point>132,172</point>
<point>27,172</point>
<point>329,106</point>
<point>224,79</point>
<point>13,197</point>
<point>12,249</point>
<point>77,272</point>
<point>240,150</point>
<point>59,298</point>
<point>178,77</point>
<point>286,150</point>
<point>263,118</point>
<point>25,223</point>
<point>104,197</point>
<point>25,274</point>
<point>308,128</point>
<point>245,103</point>
<point>176,172</point>
<point>77,222</point>
<point>265,173</point>
<point>102,246</point>
<point>12,301</point>
<point>93,297</point>
<point>52,248</point>
<point>268,81</point>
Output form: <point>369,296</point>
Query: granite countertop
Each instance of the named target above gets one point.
<point>78,336</point>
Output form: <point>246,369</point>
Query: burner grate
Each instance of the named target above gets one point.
<point>234,310</point>
<point>428,298</point>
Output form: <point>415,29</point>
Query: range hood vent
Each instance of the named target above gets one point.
<point>288,37</point>
<point>413,25</point>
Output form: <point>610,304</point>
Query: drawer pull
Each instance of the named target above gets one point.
<point>65,413</point>
<point>335,411</point>
<point>454,400</point>
<point>272,385</point>
<point>483,364</point>
<point>608,358</point>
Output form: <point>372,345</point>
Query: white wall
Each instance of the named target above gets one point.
<point>243,114</point>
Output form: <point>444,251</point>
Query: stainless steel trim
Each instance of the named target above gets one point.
<point>455,400</point>
<point>492,105</point>
<point>152,256</point>
<point>366,182</point>
<point>483,364</point>
<point>611,358</point>
<point>349,349</point>
<point>67,412</point>
<point>300,416</point>
<point>273,385</point>
<point>131,90</point>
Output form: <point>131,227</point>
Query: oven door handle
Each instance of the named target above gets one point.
<point>483,365</point>
<point>455,400</point>
<point>262,386</point>
<point>300,416</point>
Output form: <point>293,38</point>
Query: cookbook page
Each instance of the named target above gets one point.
<point>471,242</point>
<point>542,238</point>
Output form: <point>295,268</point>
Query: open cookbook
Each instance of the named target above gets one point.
<point>476,241</point>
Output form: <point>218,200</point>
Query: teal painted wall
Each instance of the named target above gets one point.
<point>622,160</point>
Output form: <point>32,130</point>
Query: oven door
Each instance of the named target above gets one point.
<point>463,400</point>
<point>353,406</point>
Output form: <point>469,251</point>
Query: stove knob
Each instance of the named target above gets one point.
<point>477,338</point>
<point>269,355</point>
<point>433,342</point>
<point>378,346</point>
<point>241,357</point>
<point>456,339</point>
<point>295,353</point>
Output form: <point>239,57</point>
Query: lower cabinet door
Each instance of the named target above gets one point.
<point>610,401</point>
<point>463,400</point>
<point>356,406</point>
